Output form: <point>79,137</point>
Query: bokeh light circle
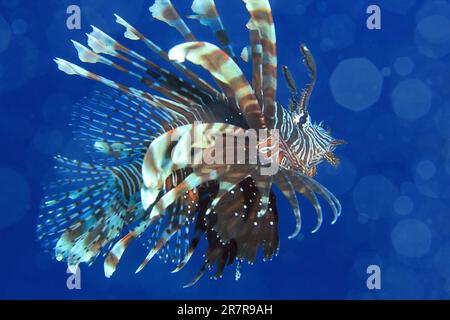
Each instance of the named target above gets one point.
<point>374,195</point>
<point>403,205</point>
<point>403,66</point>
<point>356,84</point>
<point>19,26</point>
<point>411,238</point>
<point>411,99</point>
<point>338,32</point>
<point>426,169</point>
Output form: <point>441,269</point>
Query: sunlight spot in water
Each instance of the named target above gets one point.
<point>433,29</point>
<point>411,238</point>
<point>356,84</point>
<point>338,32</point>
<point>374,196</point>
<point>426,169</point>
<point>340,179</point>
<point>19,26</point>
<point>403,205</point>
<point>25,66</point>
<point>411,99</point>
<point>433,7</point>
<point>429,177</point>
<point>403,66</point>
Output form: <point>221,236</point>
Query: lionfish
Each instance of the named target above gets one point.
<point>139,183</point>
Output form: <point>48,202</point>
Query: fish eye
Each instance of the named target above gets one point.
<point>303,119</point>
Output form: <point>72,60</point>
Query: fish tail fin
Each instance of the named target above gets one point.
<point>85,209</point>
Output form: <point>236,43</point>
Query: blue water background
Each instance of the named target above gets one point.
<point>384,91</point>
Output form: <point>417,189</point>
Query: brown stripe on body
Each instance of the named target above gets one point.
<point>213,60</point>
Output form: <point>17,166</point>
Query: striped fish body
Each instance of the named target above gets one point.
<point>149,179</point>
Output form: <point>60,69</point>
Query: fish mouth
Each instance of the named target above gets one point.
<point>331,159</point>
<point>338,142</point>
<point>329,156</point>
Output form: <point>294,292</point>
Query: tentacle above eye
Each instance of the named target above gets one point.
<point>310,64</point>
<point>292,88</point>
